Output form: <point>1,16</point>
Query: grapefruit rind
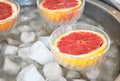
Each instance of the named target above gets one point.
<point>60,15</point>
<point>8,23</point>
<point>80,61</point>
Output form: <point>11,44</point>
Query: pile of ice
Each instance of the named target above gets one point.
<point>33,61</point>
<point>28,57</point>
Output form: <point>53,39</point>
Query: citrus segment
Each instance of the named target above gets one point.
<point>60,10</point>
<point>8,13</point>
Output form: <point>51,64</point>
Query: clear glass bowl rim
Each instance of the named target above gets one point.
<point>83,4</point>
<point>81,56</point>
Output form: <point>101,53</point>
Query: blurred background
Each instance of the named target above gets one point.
<point>114,3</point>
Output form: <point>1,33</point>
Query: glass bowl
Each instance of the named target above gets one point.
<point>8,23</point>
<point>78,62</point>
<point>60,16</point>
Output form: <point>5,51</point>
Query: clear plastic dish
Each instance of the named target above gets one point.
<point>78,62</point>
<point>60,16</point>
<point>8,23</point>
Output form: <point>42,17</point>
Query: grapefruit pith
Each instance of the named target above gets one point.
<point>60,10</point>
<point>8,13</point>
<point>80,48</point>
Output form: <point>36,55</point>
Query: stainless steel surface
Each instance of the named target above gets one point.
<point>114,3</point>
<point>109,18</point>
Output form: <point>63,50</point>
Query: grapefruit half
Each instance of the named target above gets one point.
<point>8,14</point>
<point>80,48</point>
<point>60,10</point>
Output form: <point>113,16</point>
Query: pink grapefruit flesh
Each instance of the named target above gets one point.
<point>60,4</point>
<point>5,10</point>
<point>77,43</point>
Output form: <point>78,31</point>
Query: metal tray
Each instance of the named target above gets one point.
<point>95,13</point>
<point>109,18</point>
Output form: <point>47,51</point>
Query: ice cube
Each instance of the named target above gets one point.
<point>56,78</point>
<point>24,51</point>
<point>52,68</point>
<point>73,75</point>
<point>92,73</point>
<point>24,28</point>
<point>11,67</point>
<point>37,25</point>
<point>25,45</point>
<point>10,49</point>
<point>33,14</point>
<point>25,62</point>
<point>40,53</point>
<point>30,73</point>
<point>12,41</point>
<point>27,37</point>
<point>79,80</point>
<point>14,31</point>
<point>45,40</point>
